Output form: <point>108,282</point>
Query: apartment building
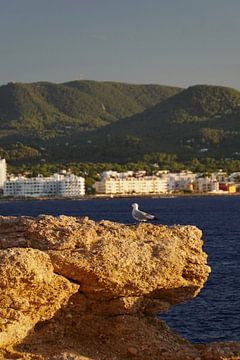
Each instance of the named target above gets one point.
<point>131,185</point>
<point>71,186</point>
<point>181,181</point>
<point>206,184</point>
<point>3,172</point>
<point>64,185</point>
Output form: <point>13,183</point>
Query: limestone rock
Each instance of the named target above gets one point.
<point>121,269</point>
<point>131,269</point>
<point>76,289</point>
<point>29,292</point>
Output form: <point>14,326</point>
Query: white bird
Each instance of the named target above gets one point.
<point>141,215</point>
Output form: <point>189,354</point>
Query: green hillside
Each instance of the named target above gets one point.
<point>80,104</point>
<point>103,121</point>
<point>199,118</point>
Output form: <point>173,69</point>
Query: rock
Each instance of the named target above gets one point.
<point>72,288</point>
<point>132,269</point>
<point>30,292</point>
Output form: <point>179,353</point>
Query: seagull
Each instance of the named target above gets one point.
<point>141,215</point>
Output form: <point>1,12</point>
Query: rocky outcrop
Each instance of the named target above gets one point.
<point>30,292</point>
<point>72,288</point>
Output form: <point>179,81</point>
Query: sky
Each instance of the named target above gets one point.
<point>168,42</point>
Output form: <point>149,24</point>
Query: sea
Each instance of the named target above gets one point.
<point>214,315</point>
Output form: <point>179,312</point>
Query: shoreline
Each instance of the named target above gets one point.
<point>118,196</point>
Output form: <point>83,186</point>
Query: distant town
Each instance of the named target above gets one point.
<point>112,183</point>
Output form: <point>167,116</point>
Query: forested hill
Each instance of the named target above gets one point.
<point>104,121</point>
<point>199,121</point>
<point>80,104</point>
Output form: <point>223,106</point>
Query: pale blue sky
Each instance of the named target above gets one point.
<point>172,42</point>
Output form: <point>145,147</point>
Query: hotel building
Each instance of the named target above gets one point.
<point>63,185</point>
<point>117,183</point>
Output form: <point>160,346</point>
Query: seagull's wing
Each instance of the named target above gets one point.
<point>141,215</point>
<point>147,216</point>
<point>138,215</point>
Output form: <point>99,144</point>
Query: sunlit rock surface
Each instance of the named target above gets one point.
<point>72,288</point>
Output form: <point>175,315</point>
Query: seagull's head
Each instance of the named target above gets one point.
<point>135,206</point>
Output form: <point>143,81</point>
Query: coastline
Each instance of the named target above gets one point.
<point>118,196</point>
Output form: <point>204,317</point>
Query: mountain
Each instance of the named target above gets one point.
<point>80,104</point>
<point>199,121</point>
<point>104,121</point>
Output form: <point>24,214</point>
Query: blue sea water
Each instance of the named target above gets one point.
<point>214,315</point>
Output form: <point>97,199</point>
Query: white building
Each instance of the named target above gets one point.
<point>131,185</point>
<point>220,176</point>
<point>234,177</point>
<point>3,172</point>
<point>71,186</point>
<point>181,181</point>
<point>116,175</point>
<point>206,184</point>
<point>67,185</point>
